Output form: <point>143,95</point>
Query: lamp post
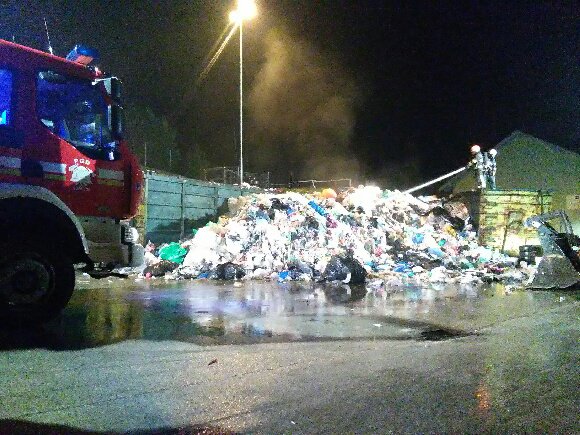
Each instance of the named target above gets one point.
<point>246,10</point>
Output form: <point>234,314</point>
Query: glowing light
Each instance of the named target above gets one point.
<point>246,11</point>
<point>234,16</point>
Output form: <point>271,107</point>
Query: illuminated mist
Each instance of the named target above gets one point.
<point>302,110</point>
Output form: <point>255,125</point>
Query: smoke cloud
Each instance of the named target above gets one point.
<point>302,108</point>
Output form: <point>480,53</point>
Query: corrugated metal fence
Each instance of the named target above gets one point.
<point>173,206</point>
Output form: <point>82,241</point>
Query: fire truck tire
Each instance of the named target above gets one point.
<point>36,281</point>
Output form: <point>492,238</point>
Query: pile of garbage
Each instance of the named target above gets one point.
<point>361,233</point>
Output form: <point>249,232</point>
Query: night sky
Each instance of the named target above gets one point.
<point>393,92</point>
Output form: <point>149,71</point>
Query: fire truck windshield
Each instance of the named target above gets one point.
<point>76,111</point>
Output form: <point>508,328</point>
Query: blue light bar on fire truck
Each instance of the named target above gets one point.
<point>83,54</point>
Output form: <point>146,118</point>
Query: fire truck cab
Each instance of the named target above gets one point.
<point>68,181</point>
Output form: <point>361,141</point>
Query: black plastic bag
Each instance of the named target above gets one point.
<point>279,205</point>
<point>456,222</point>
<point>228,271</point>
<point>345,268</point>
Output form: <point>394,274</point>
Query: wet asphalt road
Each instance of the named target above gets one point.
<point>273,358</point>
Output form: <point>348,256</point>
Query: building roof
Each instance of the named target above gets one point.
<point>526,162</point>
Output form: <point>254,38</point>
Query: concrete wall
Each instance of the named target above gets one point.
<point>173,206</point>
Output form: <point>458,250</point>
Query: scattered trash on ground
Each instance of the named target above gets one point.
<point>159,268</point>
<point>356,236</point>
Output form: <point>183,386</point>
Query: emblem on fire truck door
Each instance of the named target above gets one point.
<point>81,174</point>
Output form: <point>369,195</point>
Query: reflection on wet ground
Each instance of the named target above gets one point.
<point>215,313</point>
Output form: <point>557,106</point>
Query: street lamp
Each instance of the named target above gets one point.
<point>246,10</point>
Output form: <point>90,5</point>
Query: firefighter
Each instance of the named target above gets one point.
<point>490,168</point>
<point>478,162</point>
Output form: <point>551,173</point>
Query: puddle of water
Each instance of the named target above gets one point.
<point>213,313</point>
<point>441,334</point>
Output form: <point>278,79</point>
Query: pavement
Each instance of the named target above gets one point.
<point>202,357</point>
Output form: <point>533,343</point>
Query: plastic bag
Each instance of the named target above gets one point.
<point>346,269</point>
<point>328,193</point>
<point>228,271</point>
<point>318,209</point>
<point>173,252</point>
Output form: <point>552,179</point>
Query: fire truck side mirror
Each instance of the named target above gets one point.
<point>115,116</point>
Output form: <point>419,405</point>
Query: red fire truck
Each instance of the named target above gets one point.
<point>68,181</point>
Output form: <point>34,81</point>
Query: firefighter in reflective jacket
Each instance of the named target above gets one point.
<point>490,168</point>
<point>478,162</point>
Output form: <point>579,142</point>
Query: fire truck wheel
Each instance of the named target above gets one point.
<point>36,281</point>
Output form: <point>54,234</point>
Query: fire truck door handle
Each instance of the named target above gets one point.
<point>31,168</point>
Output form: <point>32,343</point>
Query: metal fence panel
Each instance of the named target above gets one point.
<point>192,187</point>
<point>163,199</point>
<point>164,185</point>
<point>174,206</point>
<point>199,201</point>
<point>166,212</point>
